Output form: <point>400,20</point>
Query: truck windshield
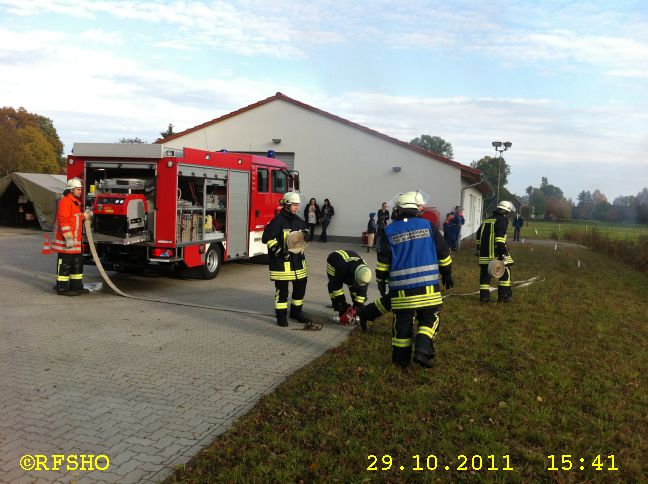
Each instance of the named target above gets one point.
<point>279,182</point>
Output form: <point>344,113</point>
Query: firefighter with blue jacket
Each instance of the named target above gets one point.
<point>287,266</point>
<point>413,258</point>
<point>491,244</point>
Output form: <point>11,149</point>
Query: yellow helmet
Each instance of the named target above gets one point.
<point>362,275</point>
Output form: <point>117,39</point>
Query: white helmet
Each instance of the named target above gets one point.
<point>408,201</point>
<point>362,275</point>
<point>505,206</point>
<point>73,183</point>
<point>291,198</point>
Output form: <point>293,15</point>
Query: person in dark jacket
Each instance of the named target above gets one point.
<point>491,244</point>
<point>371,231</point>
<point>347,267</point>
<point>518,223</point>
<point>326,214</point>
<point>448,229</point>
<point>457,221</point>
<point>382,219</point>
<point>413,258</point>
<point>286,266</point>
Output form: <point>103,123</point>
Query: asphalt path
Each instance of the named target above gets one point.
<point>144,385</point>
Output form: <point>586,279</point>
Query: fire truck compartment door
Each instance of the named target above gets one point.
<point>238,210</point>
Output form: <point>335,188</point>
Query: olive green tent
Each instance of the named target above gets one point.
<point>30,198</point>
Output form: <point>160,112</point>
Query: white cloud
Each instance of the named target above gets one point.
<point>95,94</point>
<point>102,37</point>
<point>283,29</point>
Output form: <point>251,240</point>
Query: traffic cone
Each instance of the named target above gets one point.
<point>47,249</point>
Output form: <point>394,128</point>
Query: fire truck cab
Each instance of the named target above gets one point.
<point>154,204</point>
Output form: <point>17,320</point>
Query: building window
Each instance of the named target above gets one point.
<point>279,182</point>
<point>262,180</point>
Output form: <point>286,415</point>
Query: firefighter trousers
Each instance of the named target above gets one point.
<point>403,333</point>
<point>69,272</point>
<point>281,298</point>
<point>503,286</point>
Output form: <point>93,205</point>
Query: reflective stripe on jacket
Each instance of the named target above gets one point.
<point>275,233</point>
<point>340,268</point>
<point>69,221</point>
<point>414,260</point>
<point>491,239</point>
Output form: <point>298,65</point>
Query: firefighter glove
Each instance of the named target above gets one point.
<point>277,251</point>
<point>69,242</point>
<point>447,280</point>
<point>307,235</point>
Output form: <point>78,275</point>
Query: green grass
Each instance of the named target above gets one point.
<point>544,229</point>
<point>558,371</point>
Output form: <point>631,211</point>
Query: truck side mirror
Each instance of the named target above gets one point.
<point>295,179</point>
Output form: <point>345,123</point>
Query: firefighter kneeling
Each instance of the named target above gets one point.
<point>286,263</point>
<point>412,257</point>
<point>347,267</point>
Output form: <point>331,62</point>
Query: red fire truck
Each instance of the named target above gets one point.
<point>180,207</point>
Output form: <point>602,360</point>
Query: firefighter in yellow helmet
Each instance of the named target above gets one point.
<point>491,244</point>
<point>347,267</point>
<point>68,237</point>
<point>287,266</point>
<point>413,258</point>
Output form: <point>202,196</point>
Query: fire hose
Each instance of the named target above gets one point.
<point>523,283</point>
<point>310,326</point>
<point>119,292</point>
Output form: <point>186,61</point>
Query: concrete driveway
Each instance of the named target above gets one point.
<point>143,385</point>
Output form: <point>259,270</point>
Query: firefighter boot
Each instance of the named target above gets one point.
<point>504,294</point>
<point>426,361</point>
<point>401,356</point>
<point>282,319</point>
<point>484,296</point>
<point>76,288</point>
<point>298,315</point>
<point>62,288</point>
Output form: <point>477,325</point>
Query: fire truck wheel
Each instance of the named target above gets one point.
<point>213,261</point>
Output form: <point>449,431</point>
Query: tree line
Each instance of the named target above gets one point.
<point>547,201</point>
<point>30,143</point>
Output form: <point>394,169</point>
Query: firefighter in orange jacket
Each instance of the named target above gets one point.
<point>68,231</point>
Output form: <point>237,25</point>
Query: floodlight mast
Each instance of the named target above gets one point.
<point>500,148</point>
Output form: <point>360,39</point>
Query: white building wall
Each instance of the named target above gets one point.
<point>351,168</point>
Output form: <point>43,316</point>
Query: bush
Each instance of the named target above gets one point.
<point>632,252</point>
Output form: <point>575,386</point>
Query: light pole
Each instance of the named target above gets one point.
<point>500,148</point>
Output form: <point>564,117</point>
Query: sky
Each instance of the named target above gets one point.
<point>565,81</point>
